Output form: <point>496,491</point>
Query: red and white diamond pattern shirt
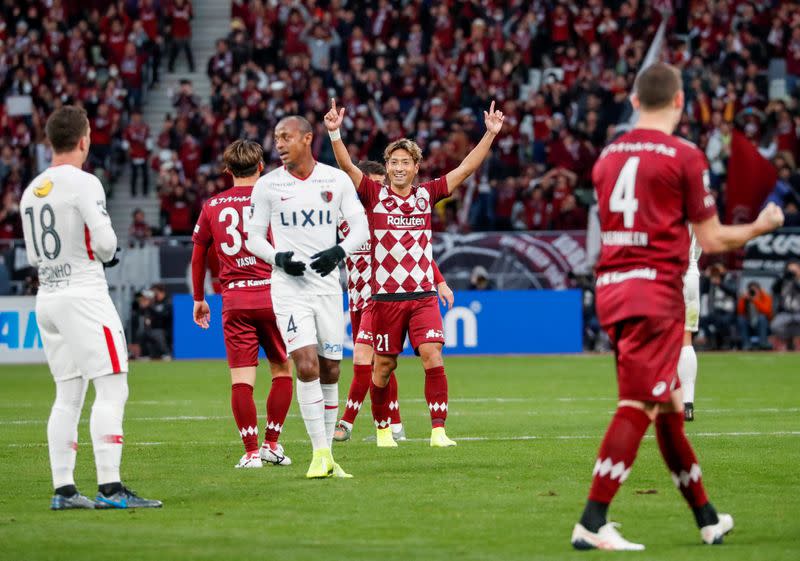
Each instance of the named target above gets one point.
<point>359,272</point>
<point>400,227</point>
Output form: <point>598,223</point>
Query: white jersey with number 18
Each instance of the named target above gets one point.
<point>61,208</point>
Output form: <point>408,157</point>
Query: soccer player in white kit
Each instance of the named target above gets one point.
<point>303,202</point>
<point>69,238</point>
<point>687,364</point>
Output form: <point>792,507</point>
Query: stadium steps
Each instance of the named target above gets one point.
<point>212,20</point>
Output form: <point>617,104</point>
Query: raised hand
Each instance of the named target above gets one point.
<point>771,217</point>
<point>333,118</point>
<point>493,119</point>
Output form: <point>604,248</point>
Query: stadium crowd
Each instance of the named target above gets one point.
<point>400,69</point>
<point>428,74</point>
<point>98,54</point>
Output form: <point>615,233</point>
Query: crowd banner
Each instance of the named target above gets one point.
<point>19,333</point>
<point>527,259</point>
<point>493,322</point>
<point>771,252</point>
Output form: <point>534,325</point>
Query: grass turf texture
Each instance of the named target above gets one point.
<point>501,496</point>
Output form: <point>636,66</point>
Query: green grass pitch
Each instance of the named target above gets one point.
<point>528,429</point>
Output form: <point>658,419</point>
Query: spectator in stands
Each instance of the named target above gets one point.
<point>786,323</point>
<point>149,336</point>
<point>177,209</point>
<point>180,32</point>
<point>137,143</point>
<point>479,279</point>
<point>720,289</point>
<point>162,317</point>
<point>321,39</point>
<point>754,312</point>
<point>10,221</point>
<point>139,231</point>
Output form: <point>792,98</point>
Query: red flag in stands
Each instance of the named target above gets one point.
<point>751,178</point>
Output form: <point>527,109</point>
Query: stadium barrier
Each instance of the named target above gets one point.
<point>481,322</point>
<point>19,334</point>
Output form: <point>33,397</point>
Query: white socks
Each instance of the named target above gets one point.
<point>105,424</point>
<point>62,429</point>
<point>312,409</point>
<point>331,396</point>
<point>687,372</point>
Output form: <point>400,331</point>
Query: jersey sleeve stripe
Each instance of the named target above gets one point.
<point>87,236</point>
<point>112,350</point>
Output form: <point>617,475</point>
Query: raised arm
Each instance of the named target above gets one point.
<point>333,122</point>
<point>494,122</point>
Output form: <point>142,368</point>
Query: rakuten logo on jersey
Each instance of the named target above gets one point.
<point>405,221</point>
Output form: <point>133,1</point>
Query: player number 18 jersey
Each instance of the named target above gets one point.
<point>60,208</point>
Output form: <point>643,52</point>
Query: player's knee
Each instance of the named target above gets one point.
<point>111,389</point>
<point>329,371</point>
<point>280,369</point>
<point>362,354</point>
<point>384,366</point>
<point>69,395</point>
<point>431,355</point>
<point>307,369</point>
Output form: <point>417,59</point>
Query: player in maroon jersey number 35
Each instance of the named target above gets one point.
<point>248,319</point>
<point>403,294</point>
<point>649,184</point>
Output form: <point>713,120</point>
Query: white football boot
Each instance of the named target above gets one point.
<point>607,537</point>
<point>250,460</point>
<point>713,534</point>
<point>275,456</point>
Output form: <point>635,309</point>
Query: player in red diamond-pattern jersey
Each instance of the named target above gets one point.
<point>649,184</point>
<point>403,296</point>
<point>359,273</point>
<point>248,319</point>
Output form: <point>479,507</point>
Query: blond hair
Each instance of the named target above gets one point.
<point>404,144</point>
<point>242,158</point>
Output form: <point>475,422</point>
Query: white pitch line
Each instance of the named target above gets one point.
<point>570,412</point>
<point>463,438</point>
<point>597,436</point>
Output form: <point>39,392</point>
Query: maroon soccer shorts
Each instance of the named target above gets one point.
<point>647,350</point>
<point>392,320</point>
<point>361,322</point>
<point>246,330</point>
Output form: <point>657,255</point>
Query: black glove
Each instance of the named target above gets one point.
<point>114,261</point>
<point>284,261</point>
<point>326,261</point>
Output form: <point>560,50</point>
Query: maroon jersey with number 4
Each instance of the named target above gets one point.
<point>245,278</point>
<point>649,185</point>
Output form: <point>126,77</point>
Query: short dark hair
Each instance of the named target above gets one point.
<point>371,167</point>
<point>242,157</point>
<point>657,85</point>
<point>65,127</point>
<point>302,123</point>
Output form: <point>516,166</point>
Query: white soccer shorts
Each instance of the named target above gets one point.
<point>691,297</point>
<point>82,336</point>
<point>312,320</point>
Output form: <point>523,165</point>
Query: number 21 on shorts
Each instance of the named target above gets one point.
<point>382,343</point>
